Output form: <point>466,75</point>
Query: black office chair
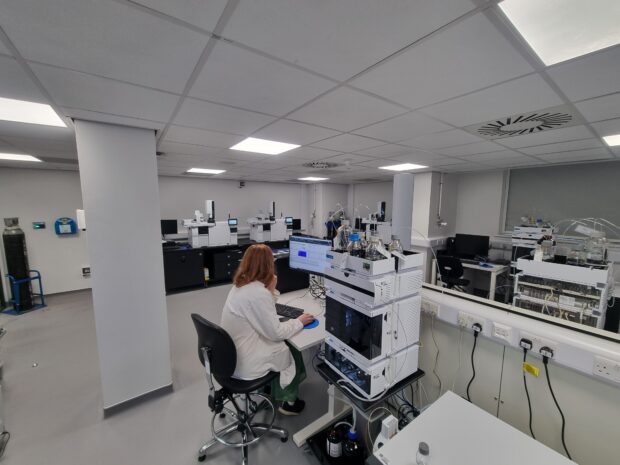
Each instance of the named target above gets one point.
<point>451,272</point>
<point>237,399</point>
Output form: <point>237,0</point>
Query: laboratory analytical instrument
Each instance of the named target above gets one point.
<point>526,238</point>
<point>371,334</point>
<point>574,293</point>
<point>375,222</point>
<point>205,231</point>
<point>16,255</point>
<point>265,227</point>
<point>372,379</point>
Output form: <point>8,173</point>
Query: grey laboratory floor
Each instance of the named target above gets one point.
<point>52,394</point>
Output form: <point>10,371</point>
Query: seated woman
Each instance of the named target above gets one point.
<point>251,320</point>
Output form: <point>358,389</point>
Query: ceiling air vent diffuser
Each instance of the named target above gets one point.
<point>320,165</point>
<point>527,123</point>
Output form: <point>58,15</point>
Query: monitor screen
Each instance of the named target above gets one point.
<point>232,221</point>
<point>470,246</point>
<point>297,224</point>
<point>308,254</point>
<point>288,220</point>
<point>169,227</point>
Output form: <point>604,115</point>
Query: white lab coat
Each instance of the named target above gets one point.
<point>250,318</point>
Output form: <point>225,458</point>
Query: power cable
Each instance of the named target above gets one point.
<point>546,363</point>
<point>477,328</point>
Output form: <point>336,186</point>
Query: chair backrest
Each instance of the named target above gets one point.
<point>223,358</point>
<point>450,267</point>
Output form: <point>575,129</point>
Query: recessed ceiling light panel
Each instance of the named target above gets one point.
<point>612,141</point>
<point>21,111</point>
<point>558,30</point>
<point>269,147</point>
<point>18,157</point>
<point>204,171</point>
<point>403,167</point>
<point>312,178</point>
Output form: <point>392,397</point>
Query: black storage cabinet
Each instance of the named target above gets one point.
<point>222,263</point>
<point>183,269</point>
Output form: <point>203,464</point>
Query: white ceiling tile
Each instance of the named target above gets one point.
<point>348,143</point>
<point>385,150</point>
<point>607,128</point>
<point>16,84</point>
<point>176,149</point>
<point>197,12</point>
<point>246,156</point>
<point>338,39</point>
<point>79,90</point>
<point>345,109</point>
<point>563,146</point>
<point>201,137</point>
<point>494,156</point>
<point>403,127</point>
<point>590,76</point>
<point>579,155</point>
<point>205,115</point>
<point>601,108</point>
<point>37,132</point>
<point>464,167</point>
<point>113,119</point>
<point>470,149</point>
<point>422,158</point>
<point>442,139</point>
<point>469,55</point>
<point>520,95</point>
<point>347,159</point>
<point>236,77</point>
<point>294,133</point>
<point>514,162</point>
<point>313,153</point>
<point>547,137</point>
<point>103,38</point>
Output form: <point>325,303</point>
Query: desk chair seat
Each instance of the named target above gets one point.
<point>237,404</point>
<point>451,272</point>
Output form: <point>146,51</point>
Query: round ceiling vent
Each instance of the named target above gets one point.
<point>320,165</point>
<point>525,124</point>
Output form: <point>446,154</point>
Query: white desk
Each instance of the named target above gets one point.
<point>458,432</point>
<point>307,339</point>
<point>493,270</point>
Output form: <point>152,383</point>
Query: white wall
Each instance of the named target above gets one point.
<point>181,196</point>
<point>479,203</point>
<point>361,196</point>
<point>45,195</point>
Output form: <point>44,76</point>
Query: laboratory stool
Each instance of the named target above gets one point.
<point>238,404</point>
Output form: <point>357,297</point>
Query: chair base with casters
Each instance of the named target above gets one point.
<point>242,414</point>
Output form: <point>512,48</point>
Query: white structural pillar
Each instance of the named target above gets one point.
<point>118,172</point>
<point>402,208</point>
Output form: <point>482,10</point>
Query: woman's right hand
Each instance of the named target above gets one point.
<point>306,319</point>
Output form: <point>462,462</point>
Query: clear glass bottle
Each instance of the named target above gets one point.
<point>355,246</point>
<point>395,245</point>
<point>596,248</point>
<point>374,246</point>
<point>422,456</point>
<point>343,233</point>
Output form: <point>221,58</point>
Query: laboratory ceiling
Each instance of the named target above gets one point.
<point>358,83</point>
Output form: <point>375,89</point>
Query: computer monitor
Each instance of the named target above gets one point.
<point>296,224</point>
<point>288,220</point>
<point>308,254</point>
<point>169,227</point>
<point>232,222</point>
<point>471,246</point>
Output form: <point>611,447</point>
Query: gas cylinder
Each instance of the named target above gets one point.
<point>16,255</point>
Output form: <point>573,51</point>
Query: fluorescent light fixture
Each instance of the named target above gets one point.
<point>558,30</point>
<point>21,111</point>
<point>18,157</point>
<point>403,167</point>
<point>269,147</point>
<point>612,141</point>
<point>205,171</point>
<point>312,178</point>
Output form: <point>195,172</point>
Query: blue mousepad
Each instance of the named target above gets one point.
<point>314,324</point>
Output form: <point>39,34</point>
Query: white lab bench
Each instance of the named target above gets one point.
<point>493,271</point>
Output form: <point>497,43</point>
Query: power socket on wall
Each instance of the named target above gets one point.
<point>430,308</point>
<point>539,342</point>
<point>466,320</point>
<point>607,368</point>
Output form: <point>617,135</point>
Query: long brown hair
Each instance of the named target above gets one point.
<point>256,265</point>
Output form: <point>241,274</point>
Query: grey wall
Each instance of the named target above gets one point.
<point>560,192</point>
<point>479,203</point>
<point>362,195</point>
<point>45,195</point>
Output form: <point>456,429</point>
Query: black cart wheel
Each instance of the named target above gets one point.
<point>202,458</point>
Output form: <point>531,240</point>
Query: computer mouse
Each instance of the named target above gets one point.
<point>314,324</point>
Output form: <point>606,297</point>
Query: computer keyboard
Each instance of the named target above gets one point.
<point>287,311</point>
